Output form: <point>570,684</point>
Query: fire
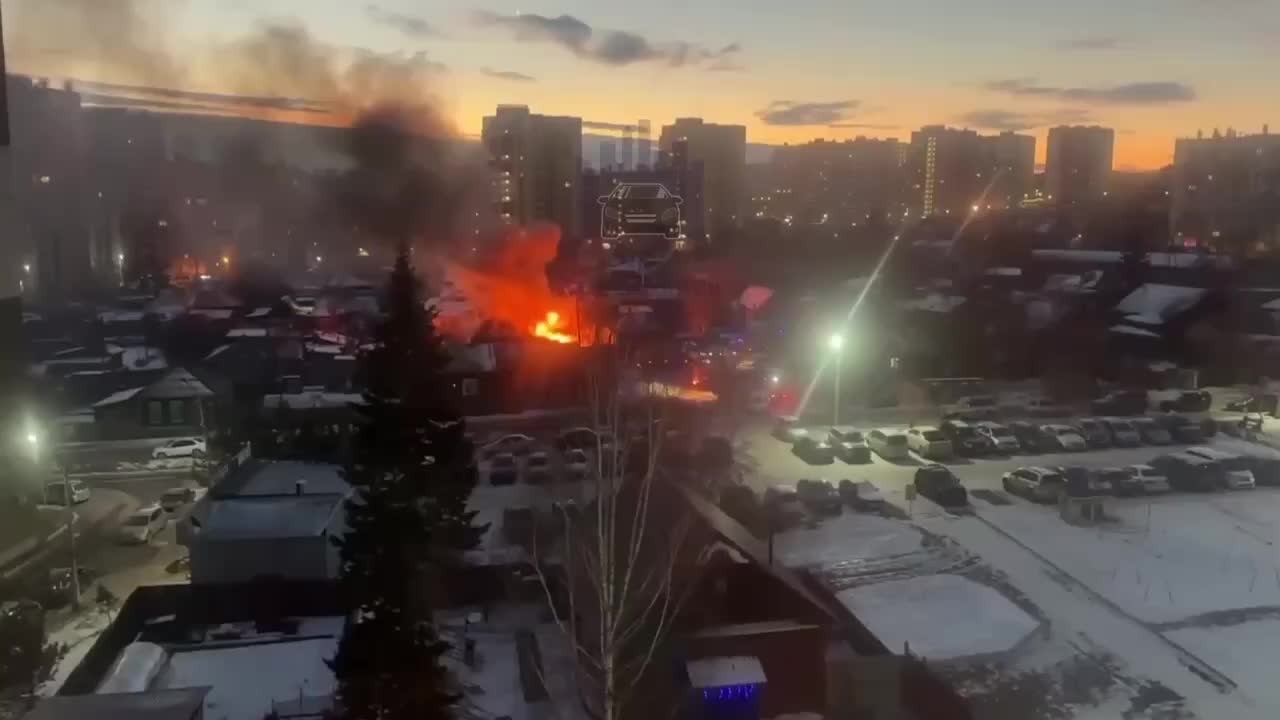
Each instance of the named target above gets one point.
<point>550,329</point>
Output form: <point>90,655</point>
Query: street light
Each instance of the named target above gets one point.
<point>836,344</point>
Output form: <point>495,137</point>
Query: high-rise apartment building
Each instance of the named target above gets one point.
<point>1078,164</point>
<point>949,170</point>
<point>1012,161</point>
<point>837,182</point>
<point>722,152</point>
<point>1226,189</point>
<point>608,155</point>
<point>537,167</point>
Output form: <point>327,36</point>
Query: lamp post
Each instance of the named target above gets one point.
<point>836,344</point>
<point>33,441</point>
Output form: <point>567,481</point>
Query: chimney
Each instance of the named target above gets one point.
<point>298,487</point>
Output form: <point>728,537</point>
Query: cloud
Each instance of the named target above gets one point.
<point>1138,93</point>
<point>508,75</point>
<point>1093,42</point>
<point>860,126</point>
<point>410,25</point>
<point>994,119</point>
<point>608,47</point>
<point>787,112</point>
<point>101,91</point>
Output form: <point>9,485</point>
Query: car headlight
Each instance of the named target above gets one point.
<point>612,213</point>
<point>670,216</point>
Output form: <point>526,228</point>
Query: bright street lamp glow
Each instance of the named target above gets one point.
<point>836,341</point>
<point>775,379</point>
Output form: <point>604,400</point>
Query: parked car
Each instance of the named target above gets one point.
<point>18,617</point>
<point>1084,482</point>
<point>55,493</point>
<point>54,588</point>
<point>966,440</point>
<point>1151,432</point>
<point>1065,437</point>
<point>581,438</point>
<point>1044,407</point>
<point>503,469</point>
<point>813,451</point>
<point>819,496</point>
<point>861,495</point>
<point>929,442</point>
<point>1001,437</point>
<point>1037,484</point>
<point>513,444</point>
<point>783,507</point>
<point>849,445</point>
<point>1181,428</point>
<point>1263,403</point>
<point>576,462</point>
<point>1031,438</point>
<point>174,498</point>
<point>1184,401</point>
<point>1123,433</point>
<point>1094,432</point>
<point>143,524</point>
<point>1121,402</point>
<point>1236,470</point>
<point>787,430</point>
<point>179,448</point>
<point>937,483</point>
<point>537,467</point>
<point>1188,472</point>
<point>888,444</point>
<point>1266,471</point>
<point>1147,479</point>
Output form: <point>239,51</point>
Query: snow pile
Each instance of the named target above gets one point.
<point>941,617</point>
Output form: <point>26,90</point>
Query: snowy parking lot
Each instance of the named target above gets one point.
<point>1170,608</point>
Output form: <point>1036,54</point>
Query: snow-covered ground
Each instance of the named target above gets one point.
<point>1166,558</point>
<point>941,617</point>
<point>1246,652</point>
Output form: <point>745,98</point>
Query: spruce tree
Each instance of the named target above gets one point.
<point>412,471</point>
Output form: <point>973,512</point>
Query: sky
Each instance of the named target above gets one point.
<point>790,71</point>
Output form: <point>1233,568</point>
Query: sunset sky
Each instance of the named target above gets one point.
<point>790,71</point>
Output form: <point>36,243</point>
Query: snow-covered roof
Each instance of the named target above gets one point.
<point>116,398</point>
<point>260,477</point>
<point>311,400</point>
<point>1153,303</point>
<point>259,312</point>
<point>1091,256</point>
<point>324,349</point>
<point>284,516</point>
<point>718,672</point>
<point>935,302</point>
<point>143,358</point>
<point>212,313</point>
<point>217,351</point>
<point>175,704</point>
<point>247,332</point>
<point>135,669</point>
<point>178,383</point>
<point>1133,331</point>
<point>120,316</point>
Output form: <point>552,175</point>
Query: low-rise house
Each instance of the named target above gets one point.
<point>267,520</point>
<point>176,404</point>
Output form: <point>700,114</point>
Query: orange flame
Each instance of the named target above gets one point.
<point>549,329</point>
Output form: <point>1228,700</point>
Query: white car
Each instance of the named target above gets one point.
<point>1067,437</point>
<point>1150,480</point>
<point>929,442</point>
<point>143,524</point>
<point>1035,483</point>
<point>576,462</point>
<point>515,444</point>
<point>1235,469</point>
<point>179,448</point>
<point>1001,435</point>
<point>889,444</point>
<point>55,493</point>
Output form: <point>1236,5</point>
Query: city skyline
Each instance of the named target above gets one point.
<point>789,75</point>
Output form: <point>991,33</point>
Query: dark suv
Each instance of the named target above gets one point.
<point>966,440</point>
<point>939,484</point>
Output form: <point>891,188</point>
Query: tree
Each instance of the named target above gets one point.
<point>412,471</point>
<point>27,661</point>
<point>612,572</point>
